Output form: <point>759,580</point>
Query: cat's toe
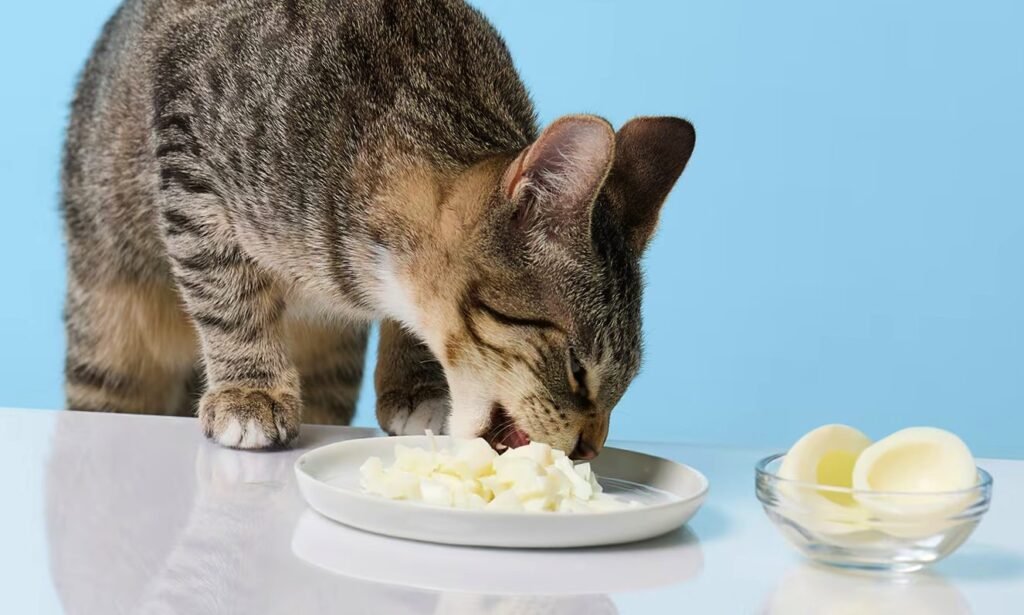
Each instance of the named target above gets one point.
<point>413,419</point>
<point>250,418</point>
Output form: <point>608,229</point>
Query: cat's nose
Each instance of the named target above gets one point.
<point>591,438</point>
<point>584,451</point>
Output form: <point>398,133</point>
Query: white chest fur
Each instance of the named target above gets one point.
<point>393,294</point>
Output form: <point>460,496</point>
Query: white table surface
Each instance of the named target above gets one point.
<point>111,514</point>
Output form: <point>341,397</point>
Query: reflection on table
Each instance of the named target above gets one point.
<point>815,590</point>
<point>140,524</point>
<point>143,516</point>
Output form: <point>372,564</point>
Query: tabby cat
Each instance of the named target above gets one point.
<point>247,184</point>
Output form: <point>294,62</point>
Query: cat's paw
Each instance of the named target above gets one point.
<point>412,417</point>
<point>250,418</point>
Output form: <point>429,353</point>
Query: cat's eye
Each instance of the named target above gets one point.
<point>579,373</point>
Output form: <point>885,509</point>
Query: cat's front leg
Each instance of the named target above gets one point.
<point>252,396</point>
<point>412,393</point>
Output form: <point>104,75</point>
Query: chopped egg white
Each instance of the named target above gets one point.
<point>471,475</point>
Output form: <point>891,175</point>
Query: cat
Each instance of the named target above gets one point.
<point>248,184</point>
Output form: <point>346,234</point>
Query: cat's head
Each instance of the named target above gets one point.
<point>545,330</point>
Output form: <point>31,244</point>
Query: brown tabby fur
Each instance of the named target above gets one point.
<point>248,183</point>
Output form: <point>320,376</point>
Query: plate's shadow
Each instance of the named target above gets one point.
<point>710,523</point>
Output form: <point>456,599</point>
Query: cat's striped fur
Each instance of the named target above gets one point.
<point>247,183</point>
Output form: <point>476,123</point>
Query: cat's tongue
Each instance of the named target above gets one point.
<point>503,432</point>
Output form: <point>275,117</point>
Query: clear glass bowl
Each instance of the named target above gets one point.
<point>870,529</point>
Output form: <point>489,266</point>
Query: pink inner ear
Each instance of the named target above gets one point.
<point>568,162</point>
<point>515,174</point>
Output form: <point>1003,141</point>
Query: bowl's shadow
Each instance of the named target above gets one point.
<point>980,562</point>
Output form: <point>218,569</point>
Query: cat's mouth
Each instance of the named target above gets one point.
<point>503,433</point>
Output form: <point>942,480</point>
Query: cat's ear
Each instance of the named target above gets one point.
<point>650,155</point>
<point>553,183</point>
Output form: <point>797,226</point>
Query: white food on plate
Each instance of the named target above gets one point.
<point>471,475</point>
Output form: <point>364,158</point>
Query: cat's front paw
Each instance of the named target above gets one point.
<point>401,416</point>
<point>250,418</point>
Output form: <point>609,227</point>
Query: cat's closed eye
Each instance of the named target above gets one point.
<point>579,375</point>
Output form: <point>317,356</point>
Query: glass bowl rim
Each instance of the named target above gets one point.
<point>761,469</point>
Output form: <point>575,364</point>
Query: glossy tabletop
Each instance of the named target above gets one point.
<point>112,514</point>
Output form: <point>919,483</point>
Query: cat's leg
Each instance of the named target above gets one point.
<point>252,395</point>
<point>329,355</point>
<point>130,347</point>
<point>412,393</point>
<point>252,387</point>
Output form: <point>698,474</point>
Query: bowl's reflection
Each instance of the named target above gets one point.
<point>814,589</point>
<point>667,560</point>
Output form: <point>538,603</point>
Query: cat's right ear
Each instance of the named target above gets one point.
<point>554,182</point>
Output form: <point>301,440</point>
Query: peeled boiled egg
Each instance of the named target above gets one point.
<point>826,457</point>
<point>908,484</point>
<point>916,460</point>
<point>913,476</point>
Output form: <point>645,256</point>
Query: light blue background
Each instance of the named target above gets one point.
<point>847,243</point>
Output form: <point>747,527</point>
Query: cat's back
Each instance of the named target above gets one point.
<point>435,70</point>
<point>275,93</point>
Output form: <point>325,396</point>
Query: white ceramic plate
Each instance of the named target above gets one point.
<point>670,492</point>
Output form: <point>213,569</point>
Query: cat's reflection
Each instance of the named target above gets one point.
<point>117,501</point>
<point>813,589</point>
<point>144,517</point>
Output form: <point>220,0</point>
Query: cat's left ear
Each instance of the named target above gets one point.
<point>553,183</point>
<point>650,155</point>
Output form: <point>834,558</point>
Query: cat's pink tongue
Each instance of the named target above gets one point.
<point>503,432</point>
<point>516,439</point>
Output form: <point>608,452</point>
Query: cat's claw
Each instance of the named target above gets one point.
<point>250,418</point>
